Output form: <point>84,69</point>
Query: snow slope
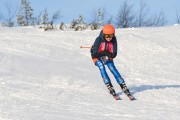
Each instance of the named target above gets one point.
<point>46,76</point>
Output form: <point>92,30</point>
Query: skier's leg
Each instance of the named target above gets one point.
<point>118,77</point>
<point>102,69</point>
<point>115,72</point>
<point>105,77</point>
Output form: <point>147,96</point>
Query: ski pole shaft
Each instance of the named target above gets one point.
<point>85,47</point>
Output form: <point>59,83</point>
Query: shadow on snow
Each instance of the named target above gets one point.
<point>142,88</point>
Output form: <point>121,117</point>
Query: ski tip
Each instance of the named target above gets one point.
<point>117,98</point>
<point>131,98</point>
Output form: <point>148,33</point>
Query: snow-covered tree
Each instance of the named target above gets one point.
<point>73,23</point>
<point>81,25</point>
<point>62,26</point>
<point>78,24</point>
<point>25,14</point>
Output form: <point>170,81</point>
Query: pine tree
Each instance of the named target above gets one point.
<point>78,24</point>
<point>25,14</point>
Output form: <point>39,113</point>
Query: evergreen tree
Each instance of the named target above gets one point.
<point>25,14</point>
<point>81,25</point>
<point>78,24</point>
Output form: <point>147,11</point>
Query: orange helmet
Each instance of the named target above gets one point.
<point>108,29</point>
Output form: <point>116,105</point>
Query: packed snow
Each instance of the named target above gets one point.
<point>44,75</point>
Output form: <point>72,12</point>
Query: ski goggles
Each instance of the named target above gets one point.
<point>108,35</point>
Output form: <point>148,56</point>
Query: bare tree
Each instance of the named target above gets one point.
<point>45,18</point>
<point>158,20</point>
<point>177,17</point>
<point>141,17</point>
<point>125,17</point>
<point>110,20</point>
<point>11,13</point>
<point>38,18</point>
<point>1,16</point>
<point>56,16</point>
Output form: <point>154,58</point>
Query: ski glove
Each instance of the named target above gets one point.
<point>110,55</point>
<point>104,53</point>
<point>98,55</point>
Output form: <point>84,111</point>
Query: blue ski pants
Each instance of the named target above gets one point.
<point>112,68</point>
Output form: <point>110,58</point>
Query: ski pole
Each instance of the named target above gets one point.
<point>85,47</point>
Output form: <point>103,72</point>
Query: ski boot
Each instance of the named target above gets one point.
<point>126,91</point>
<point>112,91</point>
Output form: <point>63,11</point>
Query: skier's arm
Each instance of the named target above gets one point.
<point>114,48</point>
<point>95,49</point>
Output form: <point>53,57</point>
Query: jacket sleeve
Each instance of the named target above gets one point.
<point>95,48</point>
<point>115,46</point>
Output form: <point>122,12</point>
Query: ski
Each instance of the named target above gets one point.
<point>112,92</point>
<point>116,97</point>
<point>131,97</point>
<point>127,93</point>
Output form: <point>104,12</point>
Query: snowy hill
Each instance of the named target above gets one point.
<point>46,76</point>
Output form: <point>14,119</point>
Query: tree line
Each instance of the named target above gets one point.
<point>126,17</point>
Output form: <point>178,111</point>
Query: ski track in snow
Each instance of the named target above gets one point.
<point>46,76</point>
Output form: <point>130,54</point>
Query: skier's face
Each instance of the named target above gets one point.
<point>108,37</point>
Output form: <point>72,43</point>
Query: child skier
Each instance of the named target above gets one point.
<point>103,51</point>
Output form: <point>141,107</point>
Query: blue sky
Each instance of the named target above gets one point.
<point>71,9</point>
